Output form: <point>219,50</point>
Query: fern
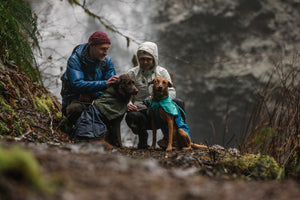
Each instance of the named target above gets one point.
<point>18,36</point>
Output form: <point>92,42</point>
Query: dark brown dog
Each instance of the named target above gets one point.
<point>123,89</point>
<point>174,138</point>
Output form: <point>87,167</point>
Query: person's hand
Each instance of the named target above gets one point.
<point>131,107</point>
<point>111,80</point>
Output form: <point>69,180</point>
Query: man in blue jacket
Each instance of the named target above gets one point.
<point>89,72</point>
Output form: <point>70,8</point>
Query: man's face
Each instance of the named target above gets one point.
<point>99,51</point>
<point>146,63</point>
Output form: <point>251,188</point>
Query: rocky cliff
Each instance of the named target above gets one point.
<point>220,51</point>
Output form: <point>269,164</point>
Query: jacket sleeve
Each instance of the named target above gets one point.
<point>131,74</point>
<point>76,77</point>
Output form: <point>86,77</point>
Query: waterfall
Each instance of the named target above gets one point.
<point>63,26</point>
<point>217,50</point>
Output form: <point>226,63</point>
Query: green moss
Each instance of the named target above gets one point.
<point>1,65</point>
<point>5,107</point>
<point>3,128</point>
<point>254,166</point>
<point>12,86</point>
<point>2,86</point>
<point>9,80</point>
<point>59,115</point>
<point>30,121</point>
<point>19,36</point>
<point>19,126</point>
<point>18,92</point>
<point>21,162</point>
<point>44,104</point>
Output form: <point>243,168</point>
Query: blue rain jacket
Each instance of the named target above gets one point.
<point>85,76</point>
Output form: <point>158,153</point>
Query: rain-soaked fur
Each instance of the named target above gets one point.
<point>124,88</point>
<point>175,138</point>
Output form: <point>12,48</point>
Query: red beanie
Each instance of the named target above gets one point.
<point>98,37</point>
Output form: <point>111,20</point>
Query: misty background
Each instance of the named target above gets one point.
<point>219,51</point>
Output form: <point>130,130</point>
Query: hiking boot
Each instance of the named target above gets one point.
<point>66,126</point>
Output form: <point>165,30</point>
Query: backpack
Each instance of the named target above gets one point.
<point>89,125</point>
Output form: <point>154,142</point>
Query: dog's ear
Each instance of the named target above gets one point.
<point>171,85</point>
<point>116,83</point>
<point>151,82</point>
<point>119,86</point>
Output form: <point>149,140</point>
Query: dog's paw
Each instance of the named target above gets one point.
<point>169,149</point>
<point>152,147</point>
<point>187,148</point>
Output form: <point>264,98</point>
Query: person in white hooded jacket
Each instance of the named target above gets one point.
<point>148,68</point>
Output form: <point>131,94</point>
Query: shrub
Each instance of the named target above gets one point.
<point>18,36</point>
<point>274,125</point>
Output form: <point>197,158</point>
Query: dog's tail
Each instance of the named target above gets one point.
<point>198,146</point>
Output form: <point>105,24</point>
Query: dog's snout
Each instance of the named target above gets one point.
<point>159,88</point>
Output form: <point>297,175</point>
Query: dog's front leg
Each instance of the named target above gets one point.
<point>170,131</point>
<point>116,132</point>
<point>170,121</point>
<point>153,126</point>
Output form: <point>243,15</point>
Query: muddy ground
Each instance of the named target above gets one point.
<point>87,171</point>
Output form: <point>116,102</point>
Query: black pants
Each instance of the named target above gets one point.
<point>139,122</point>
<point>74,110</point>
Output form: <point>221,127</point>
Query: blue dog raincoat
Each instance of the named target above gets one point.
<point>172,108</point>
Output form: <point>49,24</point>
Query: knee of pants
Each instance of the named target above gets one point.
<point>73,111</point>
<point>137,121</point>
<point>179,102</point>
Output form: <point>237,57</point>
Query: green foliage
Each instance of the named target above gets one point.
<point>44,104</point>
<point>21,162</point>
<point>3,128</point>
<point>5,108</point>
<point>18,163</point>
<point>264,137</point>
<point>18,124</point>
<point>273,127</point>
<point>258,166</point>
<point>18,36</point>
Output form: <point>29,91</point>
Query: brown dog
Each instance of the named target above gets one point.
<point>113,105</point>
<point>175,137</point>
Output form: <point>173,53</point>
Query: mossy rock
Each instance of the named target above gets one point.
<point>258,166</point>
<point>19,167</point>
<point>21,164</point>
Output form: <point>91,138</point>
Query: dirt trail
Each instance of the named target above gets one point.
<point>87,171</point>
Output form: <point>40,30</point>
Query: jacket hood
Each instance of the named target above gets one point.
<point>150,48</point>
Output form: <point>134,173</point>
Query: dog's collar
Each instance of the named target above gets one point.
<point>155,98</point>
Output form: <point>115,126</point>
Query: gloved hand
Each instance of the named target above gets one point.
<point>147,101</point>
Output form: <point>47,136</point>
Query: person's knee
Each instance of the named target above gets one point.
<point>136,121</point>
<point>180,103</point>
<point>73,111</point>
